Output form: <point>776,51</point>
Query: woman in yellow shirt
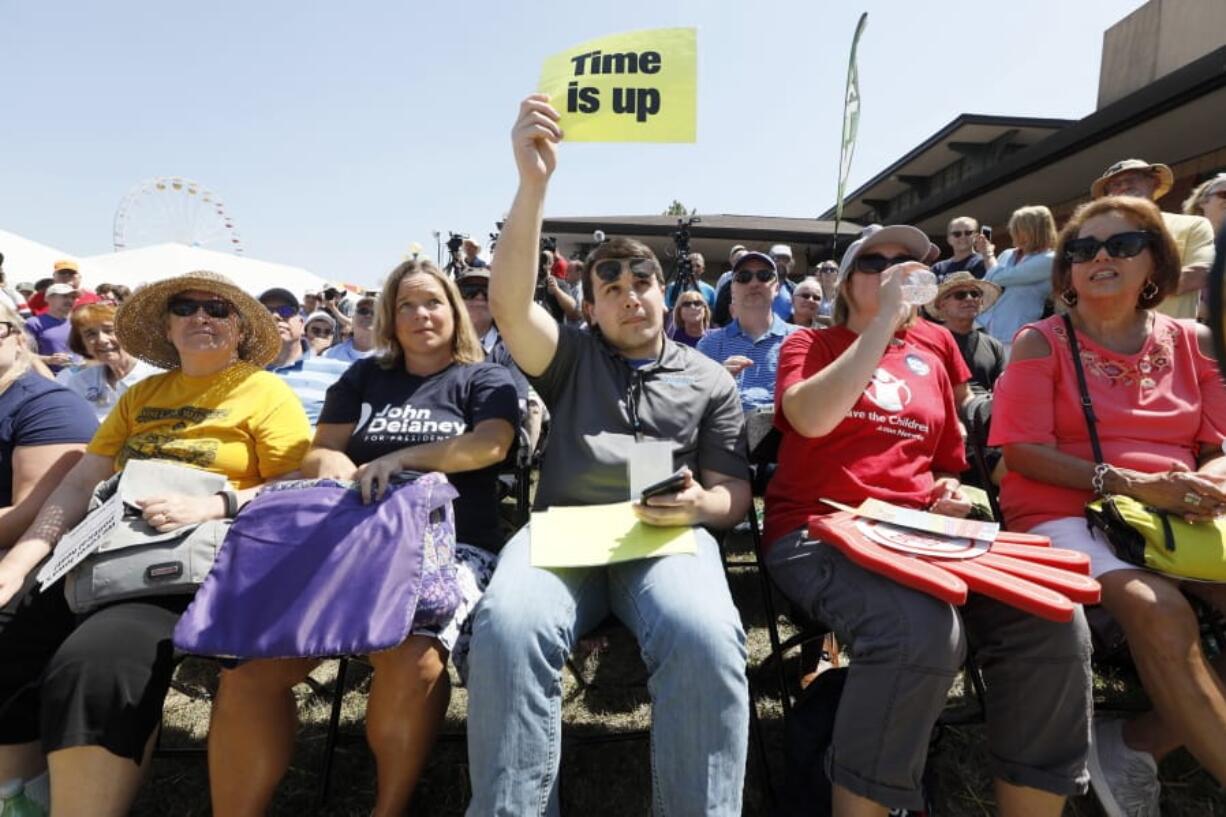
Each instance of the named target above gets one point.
<point>214,409</point>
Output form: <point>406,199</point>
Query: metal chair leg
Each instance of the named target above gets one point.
<point>334,724</point>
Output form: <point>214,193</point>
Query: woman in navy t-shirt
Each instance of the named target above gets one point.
<point>43,431</point>
<point>427,401</point>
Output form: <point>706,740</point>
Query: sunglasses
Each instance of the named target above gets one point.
<point>7,329</point>
<point>746,275</point>
<point>876,263</point>
<point>963,294</point>
<point>364,311</point>
<point>961,233</point>
<point>319,332</point>
<point>808,296</point>
<point>694,304</point>
<point>1120,245</point>
<point>471,291</point>
<point>186,307</point>
<point>609,270</point>
<point>284,312</point>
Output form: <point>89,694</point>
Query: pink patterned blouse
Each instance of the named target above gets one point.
<point>1153,409</point>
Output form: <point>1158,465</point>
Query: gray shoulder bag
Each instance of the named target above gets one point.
<point>136,561</point>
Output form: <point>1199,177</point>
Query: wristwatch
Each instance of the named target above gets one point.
<point>231,499</point>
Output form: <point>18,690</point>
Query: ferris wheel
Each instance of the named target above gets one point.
<point>170,208</point>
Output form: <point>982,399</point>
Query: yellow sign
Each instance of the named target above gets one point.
<point>593,535</point>
<point>635,87</point>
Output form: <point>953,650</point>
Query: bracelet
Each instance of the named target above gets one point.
<point>231,500</point>
<point>1096,481</point>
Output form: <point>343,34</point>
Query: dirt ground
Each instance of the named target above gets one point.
<point>599,777</point>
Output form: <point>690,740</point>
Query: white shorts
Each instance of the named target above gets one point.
<point>1073,533</point>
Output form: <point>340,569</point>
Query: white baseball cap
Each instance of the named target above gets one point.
<point>874,235</point>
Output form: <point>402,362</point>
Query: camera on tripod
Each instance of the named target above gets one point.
<point>456,265</point>
<point>682,276</point>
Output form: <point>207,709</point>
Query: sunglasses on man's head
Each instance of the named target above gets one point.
<point>963,294</point>
<point>609,270</point>
<point>470,291</point>
<point>961,233</point>
<point>1120,245</point>
<point>744,276</point>
<point>283,311</point>
<point>876,263</point>
<point>186,307</point>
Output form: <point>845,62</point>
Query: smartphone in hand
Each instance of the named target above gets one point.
<point>669,485</point>
<point>986,231</point>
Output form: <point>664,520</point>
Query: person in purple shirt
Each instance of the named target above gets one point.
<point>691,318</point>
<point>51,329</point>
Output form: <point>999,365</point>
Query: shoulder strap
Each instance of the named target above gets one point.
<point>1086,407</point>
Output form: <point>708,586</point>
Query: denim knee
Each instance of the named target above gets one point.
<point>690,641</point>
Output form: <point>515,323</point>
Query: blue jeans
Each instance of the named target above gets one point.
<point>690,635</point>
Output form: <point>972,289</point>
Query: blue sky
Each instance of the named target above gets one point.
<point>338,134</point>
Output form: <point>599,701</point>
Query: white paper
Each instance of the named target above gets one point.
<point>921,520</point>
<point>81,541</point>
<point>649,463</point>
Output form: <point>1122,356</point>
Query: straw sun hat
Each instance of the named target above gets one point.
<point>140,322</point>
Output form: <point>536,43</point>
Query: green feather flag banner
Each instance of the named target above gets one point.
<point>851,122</point>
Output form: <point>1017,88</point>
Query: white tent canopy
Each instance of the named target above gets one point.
<point>160,261</point>
<point>26,260</point>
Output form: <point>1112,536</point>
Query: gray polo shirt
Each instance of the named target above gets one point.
<point>684,397</point>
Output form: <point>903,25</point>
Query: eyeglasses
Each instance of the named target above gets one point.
<point>808,296</point>
<point>1120,245</point>
<point>364,311</point>
<point>746,275</point>
<point>471,291</point>
<point>284,311</point>
<point>963,294</point>
<point>214,308</point>
<point>6,329</point>
<point>876,263</point>
<point>320,331</point>
<point>609,270</point>
<point>960,233</point>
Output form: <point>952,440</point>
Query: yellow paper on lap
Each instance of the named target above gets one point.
<point>593,535</point>
<point>636,87</point>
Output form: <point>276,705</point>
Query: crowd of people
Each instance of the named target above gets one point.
<point>272,390</point>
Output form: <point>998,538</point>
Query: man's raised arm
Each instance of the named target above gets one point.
<point>530,333</point>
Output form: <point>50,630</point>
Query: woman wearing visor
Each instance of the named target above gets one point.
<point>897,440</point>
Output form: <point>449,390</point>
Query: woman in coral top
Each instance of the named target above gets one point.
<point>1161,412</point>
<point>866,411</point>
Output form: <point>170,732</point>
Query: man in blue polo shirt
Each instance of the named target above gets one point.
<point>304,372</point>
<point>748,347</point>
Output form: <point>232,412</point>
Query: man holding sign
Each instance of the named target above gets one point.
<point>621,387</point>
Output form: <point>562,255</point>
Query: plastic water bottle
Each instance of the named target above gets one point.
<point>919,287</point>
<point>15,803</point>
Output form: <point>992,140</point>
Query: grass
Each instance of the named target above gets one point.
<point>597,779</point>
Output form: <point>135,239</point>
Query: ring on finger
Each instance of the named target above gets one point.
<point>1192,498</point>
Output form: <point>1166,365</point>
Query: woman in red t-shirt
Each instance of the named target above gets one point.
<point>1160,410</point>
<point>897,439</point>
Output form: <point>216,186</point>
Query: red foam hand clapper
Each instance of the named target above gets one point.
<point>1021,570</point>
